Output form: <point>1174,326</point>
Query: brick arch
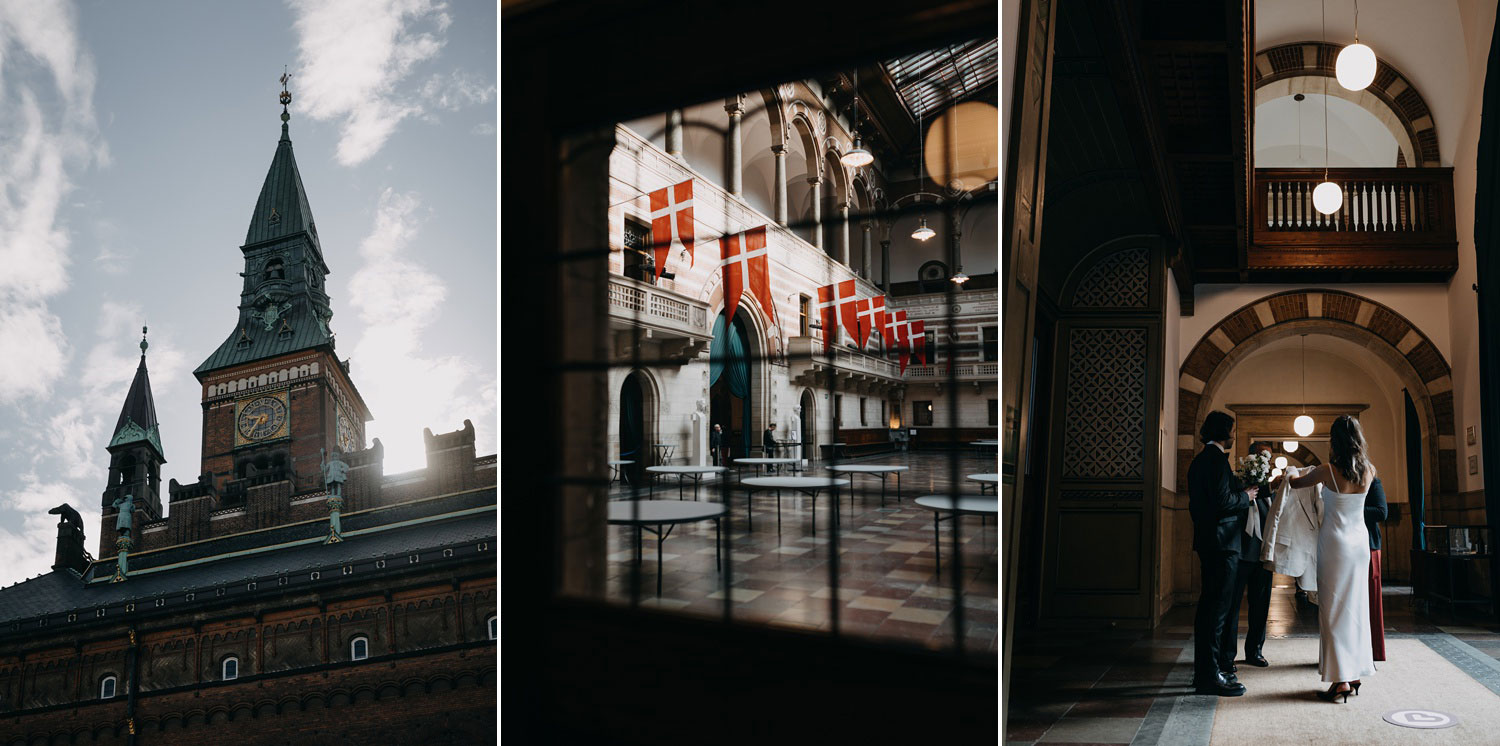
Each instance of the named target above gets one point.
<point>1391,86</point>
<point>1388,334</point>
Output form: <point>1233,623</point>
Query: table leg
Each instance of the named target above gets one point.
<point>882,490</point>
<point>650,485</point>
<point>749,521</point>
<point>937,545</point>
<point>898,486</point>
<point>660,539</point>
<point>815,512</point>
<point>778,512</point>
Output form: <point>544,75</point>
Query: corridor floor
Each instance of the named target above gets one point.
<point>1133,687</point>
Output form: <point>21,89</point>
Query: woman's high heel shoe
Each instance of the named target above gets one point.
<point>1333,693</point>
<point>1355,685</point>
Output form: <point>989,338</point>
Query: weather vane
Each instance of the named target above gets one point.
<point>286,96</point>
<point>143,341</point>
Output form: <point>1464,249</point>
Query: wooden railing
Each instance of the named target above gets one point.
<point>1389,219</point>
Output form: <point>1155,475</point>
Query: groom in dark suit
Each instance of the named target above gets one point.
<point>1218,505</point>
<point>1251,575</point>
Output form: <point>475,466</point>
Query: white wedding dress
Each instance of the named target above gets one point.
<point>1344,652</point>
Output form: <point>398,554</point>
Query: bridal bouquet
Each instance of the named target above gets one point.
<point>1255,468</point>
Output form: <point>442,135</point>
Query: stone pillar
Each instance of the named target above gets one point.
<point>843,233</point>
<point>817,209</point>
<point>674,133</point>
<point>955,217</point>
<point>864,250</point>
<point>885,263</point>
<point>780,153</point>
<point>736,111</point>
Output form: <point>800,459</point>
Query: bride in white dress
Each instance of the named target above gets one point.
<point>1344,652</point>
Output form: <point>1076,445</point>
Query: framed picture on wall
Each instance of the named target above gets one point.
<point>1471,434</point>
<point>1473,464</point>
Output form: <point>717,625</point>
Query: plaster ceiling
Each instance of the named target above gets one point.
<point>1426,40</point>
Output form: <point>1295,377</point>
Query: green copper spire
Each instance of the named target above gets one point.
<point>137,421</point>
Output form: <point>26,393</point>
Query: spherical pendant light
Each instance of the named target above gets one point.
<point>1290,446</point>
<point>1280,463</point>
<point>1276,473</point>
<point>1355,67</point>
<point>1328,198</point>
<point>1303,425</point>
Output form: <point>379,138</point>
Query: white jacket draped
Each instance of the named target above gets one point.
<point>1290,537</point>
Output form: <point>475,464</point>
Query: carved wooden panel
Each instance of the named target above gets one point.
<point>1120,280</point>
<point>1104,415</point>
<point>1099,551</point>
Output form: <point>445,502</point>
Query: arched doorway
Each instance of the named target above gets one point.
<point>730,377</point>
<point>634,444</point>
<point>809,423</point>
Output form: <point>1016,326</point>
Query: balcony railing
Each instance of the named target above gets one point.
<point>805,356</point>
<point>961,371</point>
<point>632,302</point>
<point>1390,219</point>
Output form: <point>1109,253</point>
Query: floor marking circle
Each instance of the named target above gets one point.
<point>1428,719</point>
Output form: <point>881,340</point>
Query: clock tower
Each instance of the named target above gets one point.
<point>275,396</point>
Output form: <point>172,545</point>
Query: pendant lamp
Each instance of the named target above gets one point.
<point>1303,425</point>
<point>1355,67</point>
<point>1327,196</point>
<point>1290,446</point>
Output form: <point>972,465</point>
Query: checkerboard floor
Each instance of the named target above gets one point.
<point>884,585</point>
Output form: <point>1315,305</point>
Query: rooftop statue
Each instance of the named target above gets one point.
<point>126,505</point>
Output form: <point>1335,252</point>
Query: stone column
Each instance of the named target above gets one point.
<point>817,209</point>
<point>732,142</point>
<point>864,250</point>
<point>843,233</point>
<point>885,263</point>
<point>674,133</point>
<point>955,217</point>
<point>780,152</point>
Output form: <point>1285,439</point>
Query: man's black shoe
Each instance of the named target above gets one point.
<point>1231,668</point>
<point>1257,660</point>
<point>1222,687</point>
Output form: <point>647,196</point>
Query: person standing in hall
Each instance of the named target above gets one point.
<point>1218,505</point>
<point>716,442</point>
<point>769,445</point>
<point>1251,575</point>
<point>1375,512</point>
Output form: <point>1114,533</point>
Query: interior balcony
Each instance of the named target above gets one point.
<point>667,326</point>
<point>962,372</point>
<point>1395,225</point>
<point>808,365</point>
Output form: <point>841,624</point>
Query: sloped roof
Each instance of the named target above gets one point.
<point>282,209</point>
<point>137,420</point>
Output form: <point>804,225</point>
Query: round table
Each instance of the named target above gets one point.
<point>809,486</point>
<point>833,449</point>
<point>875,470</point>
<point>664,452</point>
<point>966,505</point>
<point>663,514</point>
<point>696,472</point>
<point>614,467</point>
<point>981,445</point>
<point>764,462</point>
<point>991,479</point>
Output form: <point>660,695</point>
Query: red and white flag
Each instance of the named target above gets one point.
<point>871,318</point>
<point>916,331</point>
<point>898,326</point>
<point>672,222</point>
<point>839,299</point>
<point>745,259</point>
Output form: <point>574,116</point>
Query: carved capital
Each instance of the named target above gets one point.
<point>779,150</point>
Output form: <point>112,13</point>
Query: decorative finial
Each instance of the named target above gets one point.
<point>143,342</point>
<point>286,98</point>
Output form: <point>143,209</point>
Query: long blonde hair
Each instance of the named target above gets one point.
<point>1348,453</point>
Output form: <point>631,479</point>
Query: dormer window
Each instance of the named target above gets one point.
<point>275,270</point>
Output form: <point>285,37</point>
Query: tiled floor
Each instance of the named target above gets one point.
<point>885,584</point>
<point>1131,687</point>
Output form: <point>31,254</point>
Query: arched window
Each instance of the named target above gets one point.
<point>231,668</point>
<point>359,648</point>
<point>494,625</point>
<point>107,687</point>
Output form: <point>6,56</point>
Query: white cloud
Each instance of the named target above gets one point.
<point>47,126</point>
<point>398,300</point>
<point>352,56</point>
<point>30,552</point>
<point>485,129</point>
<point>456,90</point>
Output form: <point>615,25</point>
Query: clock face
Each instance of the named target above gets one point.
<point>348,439</point>
<point>261,418</point>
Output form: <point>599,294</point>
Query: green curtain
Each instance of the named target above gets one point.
<point>729,353</point>
<point>632,405</point>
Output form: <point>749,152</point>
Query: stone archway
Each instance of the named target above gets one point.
<point>1410,354</point>
<point>1391,87</point>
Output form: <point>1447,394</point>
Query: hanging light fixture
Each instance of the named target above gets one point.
<point>1280,462</point>
<point>1290,446</point>
<point>1303,425</point>
<point>959,278</point>
<point>922,233</point>
<point>1327,196</point>
<point>858,156</point>
<point>1355,67</point>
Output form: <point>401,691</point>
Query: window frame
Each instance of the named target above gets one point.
<point>990,338</point>
<point>918,410</point>
<point>492,626</point>
<point>111,681</point>
<point>862,419</point>
<point>224,668</point>
<point>354,642</point>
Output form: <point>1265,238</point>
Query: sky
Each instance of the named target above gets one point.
<point>134,138</point>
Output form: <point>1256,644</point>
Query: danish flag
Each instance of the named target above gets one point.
<point>917,333</point>
<point>672,222</point>
<point>838,296</point>
<point>871,318</point>
<point>744,254</point>
<point>909,337</point>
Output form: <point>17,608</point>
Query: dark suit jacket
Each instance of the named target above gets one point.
<point>1249,545</point>
<point>1216,501</point>
<point>768,441</point>
<point>1375,512</point>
